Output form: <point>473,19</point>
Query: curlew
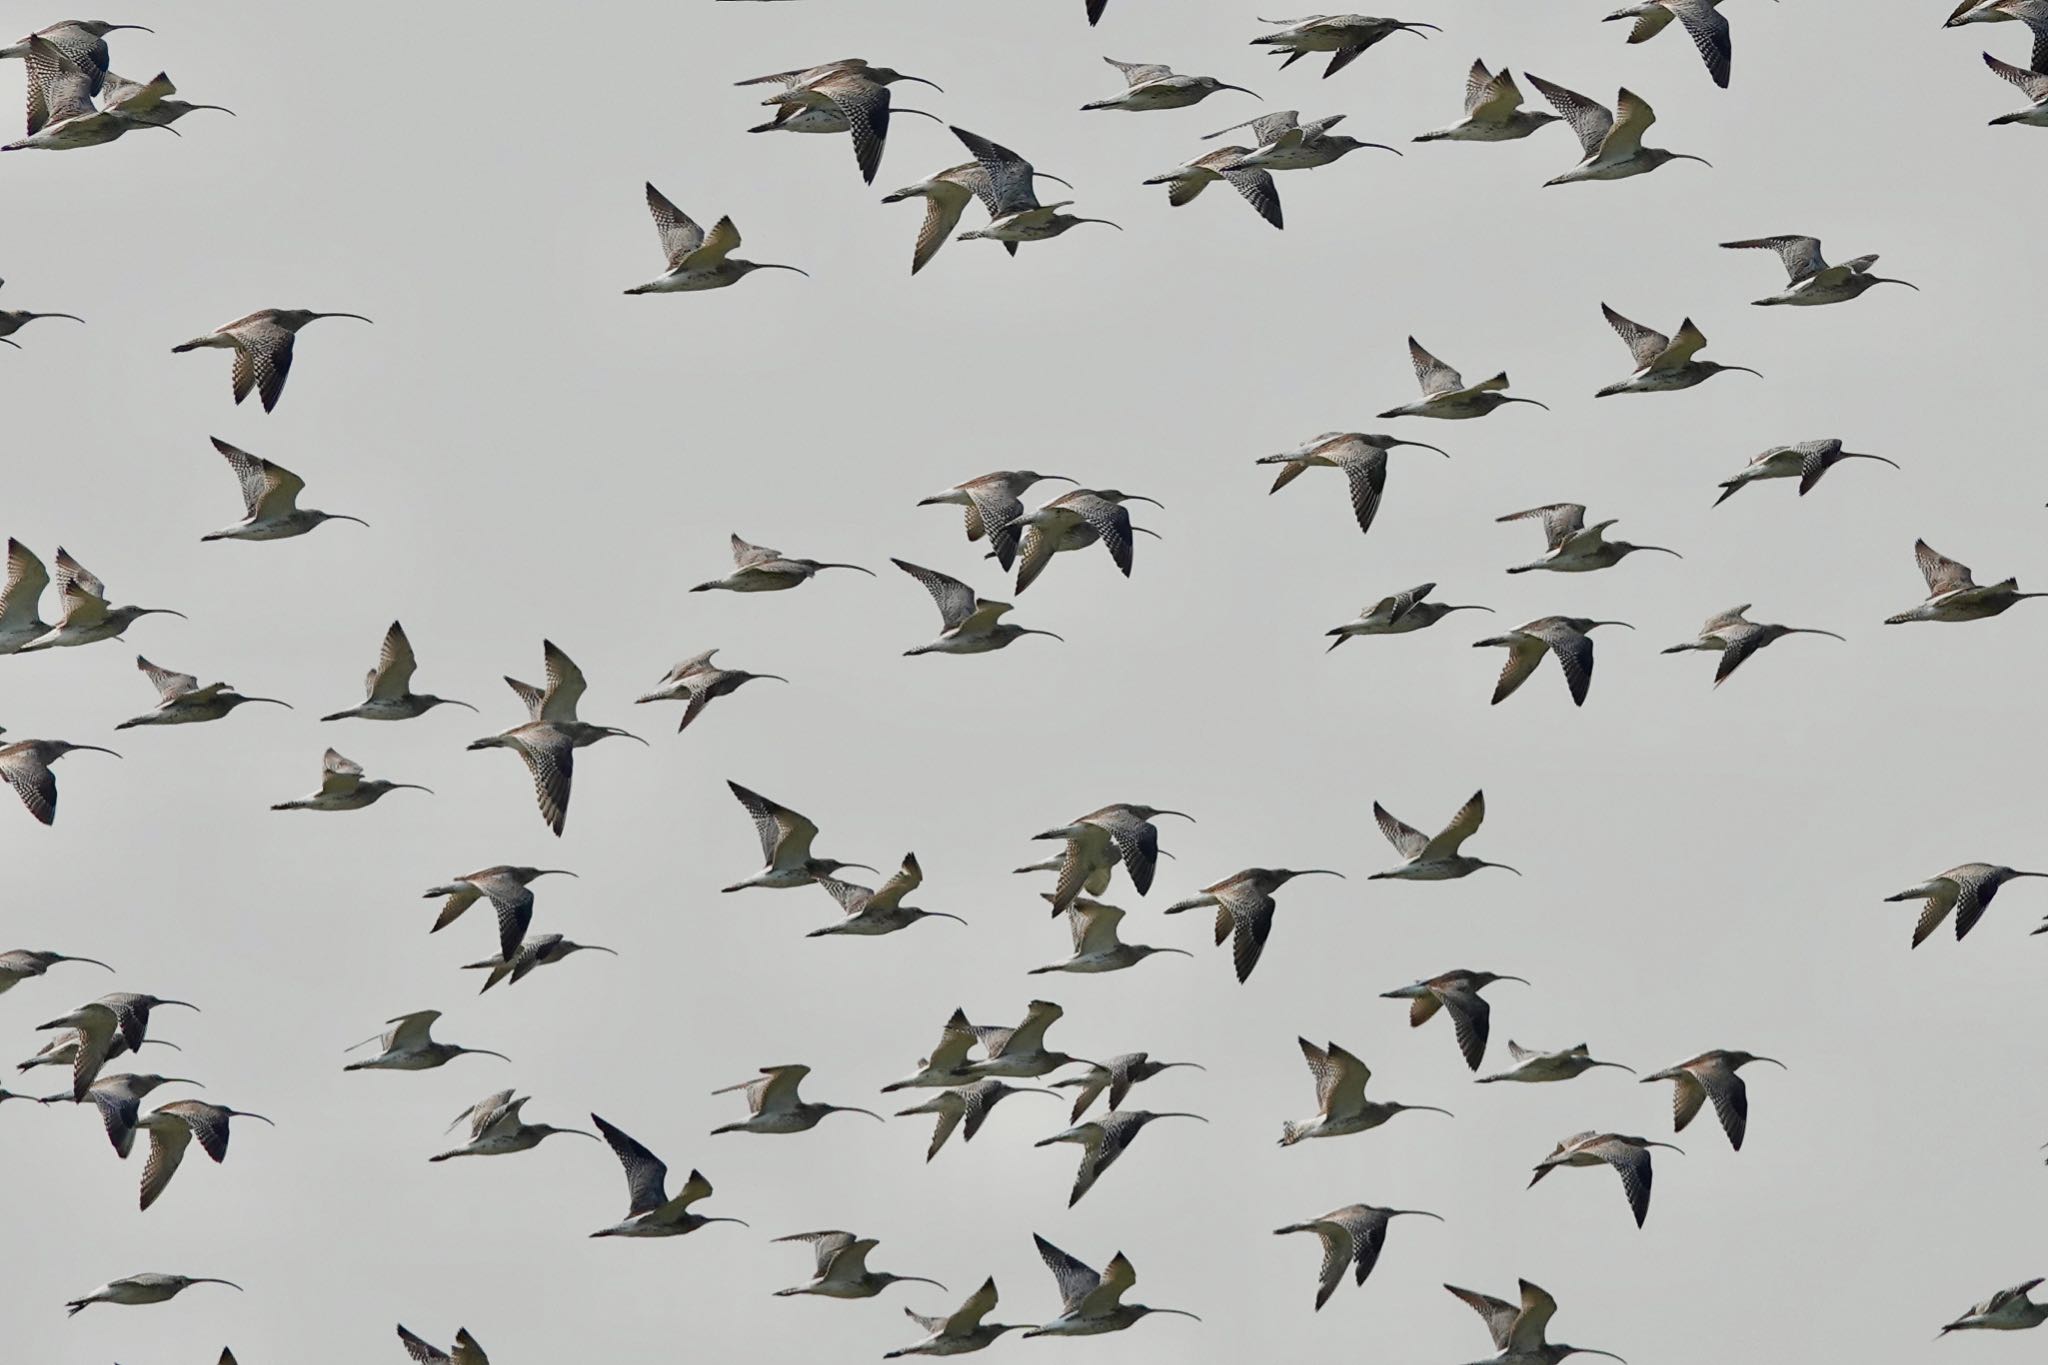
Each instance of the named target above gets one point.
<point>1805,461</point>
<point>773,1105</point>
<point>262,342</point>
<point>118,1099</point>
<point>841,1271</point>
<point>962,1331</point>
<point>496,1128</point>
<point>1736,637</point>
<point>1953,595</point>
<point>548,740</point>
<point>409,1045</point>
<point>150,101</point>
<point>649,1210</point>
<point>94,1025</point>
<point>1493,111</point>
<point>507,889</point>
<point>1573,546</point>
<point>969,1104</point>
<point>1287,144</point>
<point>1341,1105</point>
<point>12,320</point>
<point>855,92</point>
<point>697,260</point>
<point>946,194</point>
<point>1456,993</point>
<point>1096,945</point>
<point>1438,859</point>
<point>1663,363</point>
<point>993,502</point>
<point>698,682</point>
<point>870,911</point>
<point>61,114</point>
<point>182,701</point>
<point>969,622</point>
<point>1092,1303</point>
<point>21,597</point>
<point>1629,1156</point>
<point>542,951</point>
<point>1812,281</point>
<point>1362,457</point>
<point>785,845</point>
<point>1397,614</point>
<point>1021,1051</point>
<point>387,688</point>
<point>1352,1238</point>
<point>83,42</point>
<point>88,617</point>
<point>1103,1140</point>
<point>1711,1076</point>
<point>64,1051</point>
<point>270,495</point>
<point>1115,1077</point>
<point>149,1287</point>
<point>1149,86</point>
<point>757,568</point>
<point>2009,1310</point>
<point>1015,215</point>
<point>172,1127</point>
<point>1344,36</point>
<point>1244,910</point>
<point>1966,889</point>
<point>343,787</point>
<point>465,1351</point>
<point>1612,147</point>
<point>132,1011</point>
<point>1703,23</point>
<point>1535,1068</point>
<point>1074,521</point>
<point>26,766</point>
<point>947,1065</point>
<point>1518,1330</point>
<point>1190,178</point>
<point>1097,841</point>
<point>1446,395</point>
<point>1565,636</point>
<point>2031,83</point>
<point>19,964</point>
<point>2032,13</point>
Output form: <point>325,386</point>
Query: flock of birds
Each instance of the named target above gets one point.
<point>76,101</point>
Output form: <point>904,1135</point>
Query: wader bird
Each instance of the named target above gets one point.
<point>1806,461</point>
<point>1736,638</point>
<point>1573,546</point>
<point>649,1210</point>
<point>774,1107</point>
<point>62,116</point>
<point>1148,86</point>
<point>1340,1098</point>
<point>26,766</point>
<point>1612,147</point>
<point>507,889</point>
<point>1288,144</point>
<point>1446,395</point>
<point>1098,840</point>
<point>1493,111</point>
<point>969,1104</point>
<point>87,617</point>
<point>1343,36</point>
<point>2032,13</point>
<point>12,320</point>
<point>1362,457</point>
<point>343,787</point>
<point>1244,910</point>
<point>870,911</point>
<point>696,260</point>
<point>947,1065</point>
<point>21,597</point>
<point>1711,1076</point>
<point>1703,23</point>
<point>387,688</point>
<point>182,701</point>
<point>172,1127</point>
<point>1190,178</point>
<point>1518,1329</point>
<point>1116,1076</point>
<point>1398,614</point>
<point>1092,1303</point>
<point>1103,1141</point>
<point>968,621</point>
<point>993,504</point>
<point>1074,521</point>
<point>1096,946</point>
<point>962,1331</point>
<point>785,845</point>
<point>842,1267</point>
<point>1966,889</point>
<point>150,1287</point>
<point>542,951</point>
<point>270,500</point>
<point>1436,859</point>
<point>262,343</point>
<point>2009,1310</point>
<point>852,90</point>
<point>19,964</point>
<point>2032,84</point>
<point>150,101</point>
<point>1015,215</point>
<point>1812,280</point>
<point>1568,637</point>
<point>1456,993</point>
<point>496,1128</point>
<point>1536,1068</point>
<point>548,741</point>
<point>1629,1156</point>
<point>1953,595</point>
<point>1352,1238</point>
<point>1021,1051</point>
<point>945,194</point>
<point>408,1045</point>
<point>1663,363</point>
<point>698,682</point>
<point>82,42</point>
<point>757,568</point>
<point>119,1102</point>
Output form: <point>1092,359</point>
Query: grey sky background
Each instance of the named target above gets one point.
<point>542,457</point>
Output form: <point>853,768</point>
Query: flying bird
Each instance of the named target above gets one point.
<point>548,740</point>
<point>1535,1068</point>
<point>842,1267</point>
<point>270,500</point>
<point>1518,1329</point>
<point>1091,1302</point>
<point>343,787</point>
<point>497,1129</point>
<point>1663,363</point>
<point>1456,993</point>
<point>26,766</point>
<point>262,342</point>
<point>1362,457</point>
<point>1438,859</point>
<point>20,964</point>
<point>773,1105</point>
<point>387,688</point>
<point>1572,546</point>
<point>506,887</point>
<point>1812,280</point>
<point>1115,1078</point>
<point>1629,1156</point>
<point>1446,395</point>
<point>1568,637</point>
<point>544,950</point>
<point>1805,461</point>
<point>1285,143</point>
<point>1711,1076</point>
<point>1096,945</point>
<point>150,101</point>
<point>1344,36</point>
<point>1021,1051</point>
<point>2009,1310</point>
<point>409,1045</point>
<point>1097,841</point>
<point>1190,178</point>
<point>695,260</point>
<point>1966,889</point>
<point>757,568</point>
<point>88,617</point>
<point>61,114</point>
<point>1736,637</point>
<point>1493,111</point>
<point>946,194</point>
<point>182,701</point>
<point>1244,910</point>
<point>1074,521</point>
<point>969,622</point>
<point>698,682</point>
<point>962,1331</point>
<point>871,911</point>
<point>1149,86</point>
<point>785,845</point>
<point>1341,1105</point>
<point>150,1287</point>
<point>1703,23</point>
<point>1015,215</point>
<point>650,1212</point>
<point>993,503</point>
<point>1352,1238</point>
<point>1611,148</point>
<point>172,1128</point>
<point>968,1104</point>
<point>1103,1141</point>
<point>1953,595</point>
<point>1397,614</point>
<point>852,90</point>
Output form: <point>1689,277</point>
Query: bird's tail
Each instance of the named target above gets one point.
<point>1292,1132</point>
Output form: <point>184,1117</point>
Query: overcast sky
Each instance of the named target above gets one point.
<point>539,456</point>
